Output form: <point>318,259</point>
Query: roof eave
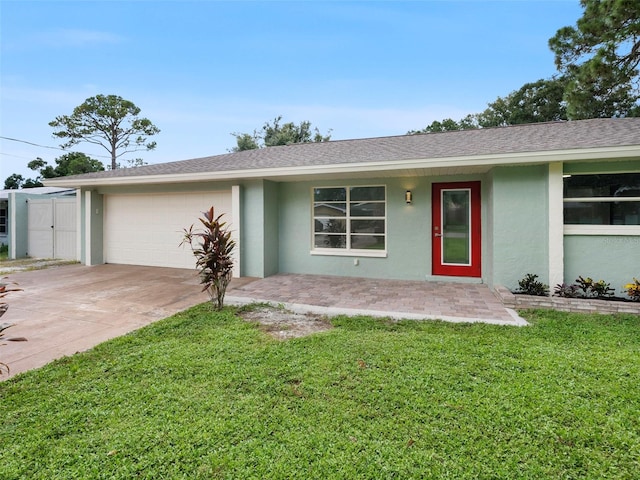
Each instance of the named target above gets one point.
<point>588,154</point>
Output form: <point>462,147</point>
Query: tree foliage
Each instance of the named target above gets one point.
<point>272,134</point>
<point>108,121</point>
<point>600,57</point>
<point>598,77</point>
<point>539,101</point>
<point>73,163</point>
<point>534,102</point>
<point>13,181</point>
<point>16,181</point>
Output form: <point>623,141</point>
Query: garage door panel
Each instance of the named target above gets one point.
<point>147,229</point>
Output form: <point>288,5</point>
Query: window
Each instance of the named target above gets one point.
<point>606,199</point>
<point>3,219</point>
<point>349,219</point>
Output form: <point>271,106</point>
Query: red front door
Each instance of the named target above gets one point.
<point>456,229</point>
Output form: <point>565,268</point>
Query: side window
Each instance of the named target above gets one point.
<point>606,199</point>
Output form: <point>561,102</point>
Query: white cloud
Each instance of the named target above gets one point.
<point>64,38</point>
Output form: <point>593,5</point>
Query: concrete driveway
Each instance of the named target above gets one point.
<point>67,309</point>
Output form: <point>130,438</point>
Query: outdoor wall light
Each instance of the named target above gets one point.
<point>408,196</point>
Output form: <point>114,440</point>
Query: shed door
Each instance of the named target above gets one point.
<point>456,239</point>
<point>147,230</point>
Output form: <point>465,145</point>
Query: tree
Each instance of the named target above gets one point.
<point>108,121</point>
<point>540,101</point>
<point>600,57</point>
<point>446,125</point>
<point>534,102</point>
<point>14,181</point>
<point>129,163</point>
<point>273,134</point>
<point>32,183</point>
<point>73,163</point>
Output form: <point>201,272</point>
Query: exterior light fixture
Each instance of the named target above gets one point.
<point>408,197</point>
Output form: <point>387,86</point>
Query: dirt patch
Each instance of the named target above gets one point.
<point>284,324</point>
<point>26,264</point>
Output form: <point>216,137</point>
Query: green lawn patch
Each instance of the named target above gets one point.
<point>208,395</point>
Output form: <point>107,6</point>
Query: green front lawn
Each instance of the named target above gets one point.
<point>207,395</point>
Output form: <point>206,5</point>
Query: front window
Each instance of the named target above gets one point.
<point>605,199</point>
<point>3,219</point>
<point>349,219</point>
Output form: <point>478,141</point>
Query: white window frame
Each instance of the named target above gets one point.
<point>595,229</point>
<point>347,251</point>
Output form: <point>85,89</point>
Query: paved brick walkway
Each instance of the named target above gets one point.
<point>397,298</point>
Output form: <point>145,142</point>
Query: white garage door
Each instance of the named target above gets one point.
<point>148,229</point>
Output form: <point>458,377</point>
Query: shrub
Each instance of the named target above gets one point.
<point>590,289</point>
<point>530,286</point>
<point>567,290</point>
<point>212,247</point>
<point>633,289</point>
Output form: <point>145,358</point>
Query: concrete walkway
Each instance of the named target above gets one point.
<point>67,309</point>
<point>334,295</point>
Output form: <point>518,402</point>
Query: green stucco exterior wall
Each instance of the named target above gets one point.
<point>259,241</point>
<point>96,217</point>
<point>408,227</point>
<point>612,258</point>
<point>518,231</point>
<point>18,224</point>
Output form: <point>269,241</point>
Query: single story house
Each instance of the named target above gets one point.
<point>39,222</point>
<point>557,199</point>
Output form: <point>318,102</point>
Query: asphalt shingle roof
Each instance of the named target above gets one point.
<point>531,138</point>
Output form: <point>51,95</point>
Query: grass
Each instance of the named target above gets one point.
<point>207,395</point>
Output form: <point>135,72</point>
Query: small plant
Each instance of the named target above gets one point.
<point>530,286</point>
<point>590,288</point>
<point>567,290</point>
<point>584,284</point>
<point>633,289</point>
<point>212,247</point>
<point>5,288</point>
<point>602,289</point>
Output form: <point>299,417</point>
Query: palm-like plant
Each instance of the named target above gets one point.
<point>5,288</point>
<point>213,248</point>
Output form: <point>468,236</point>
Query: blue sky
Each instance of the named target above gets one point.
<point>201,70</point>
